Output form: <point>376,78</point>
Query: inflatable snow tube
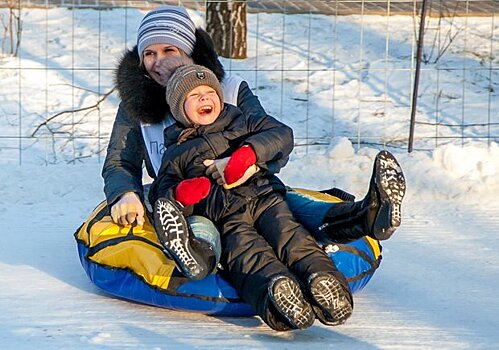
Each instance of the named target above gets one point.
<point>129,263</point>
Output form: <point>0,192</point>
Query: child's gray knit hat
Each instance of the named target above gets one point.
<point>182,81</point>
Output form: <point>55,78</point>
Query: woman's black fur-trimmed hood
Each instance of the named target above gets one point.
<point>141,96</point>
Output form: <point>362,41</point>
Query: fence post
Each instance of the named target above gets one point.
<point>419,53</point>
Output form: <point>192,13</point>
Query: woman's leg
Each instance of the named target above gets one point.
<point>310,211</point>
<point>203,229</point>
<point>377,215</point>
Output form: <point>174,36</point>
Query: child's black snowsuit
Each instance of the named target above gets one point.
<point>260,237</point>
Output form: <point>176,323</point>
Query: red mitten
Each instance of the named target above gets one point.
<point>241,159</point>
<point>191,191</point>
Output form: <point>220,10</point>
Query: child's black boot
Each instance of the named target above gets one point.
<point>285,299</point>
<point>194,258</point>
<point>331,298</point>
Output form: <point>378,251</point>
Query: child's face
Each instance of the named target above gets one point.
<point>202,105</point>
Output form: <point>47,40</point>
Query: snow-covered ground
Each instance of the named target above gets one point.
<point>435,289</point>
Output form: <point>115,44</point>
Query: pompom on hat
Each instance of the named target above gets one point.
<point>184,80</point>
<point>167,25</point>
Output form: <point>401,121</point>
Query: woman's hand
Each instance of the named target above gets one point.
<point>127,210</point>
<point>164,68</point>
<point>215,169</point>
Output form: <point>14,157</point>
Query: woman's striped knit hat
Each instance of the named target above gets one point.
<point>167,25</point>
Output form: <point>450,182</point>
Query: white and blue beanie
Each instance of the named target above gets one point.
<point>167,25</point>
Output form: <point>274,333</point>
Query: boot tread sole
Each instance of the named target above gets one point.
<point>331,303</point>
<point>173,233</point>
<point>287,297</point>
<point>391,184</point>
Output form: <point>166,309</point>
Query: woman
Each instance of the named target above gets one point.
<point>165,35</point>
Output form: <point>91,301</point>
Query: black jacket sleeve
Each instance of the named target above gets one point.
<point>248,102</point>
<point>169,176</point>
<point>272,142</point>
<point>275,145</point>
<point>122,170</point>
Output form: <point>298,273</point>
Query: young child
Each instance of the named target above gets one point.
<point>274,263</point>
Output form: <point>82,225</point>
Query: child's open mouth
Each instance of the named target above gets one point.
<point>205,110</point>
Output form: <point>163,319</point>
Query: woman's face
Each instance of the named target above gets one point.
<point>155,53</point>
<point>202,105</point>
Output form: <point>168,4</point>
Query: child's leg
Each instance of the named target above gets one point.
<point>327,287</point>
<point>291,242</point>
<point>260,278</point>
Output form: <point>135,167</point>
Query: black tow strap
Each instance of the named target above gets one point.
<point>334,247</point>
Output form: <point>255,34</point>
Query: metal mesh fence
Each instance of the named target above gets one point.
<point>327,68</point>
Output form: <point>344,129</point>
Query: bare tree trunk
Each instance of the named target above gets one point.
<point>226,23</point>
<point>19,30</point>
<point>12,29</point>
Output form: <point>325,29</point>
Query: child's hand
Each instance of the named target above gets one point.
<point>243,158</point>
<point>192,191</point>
